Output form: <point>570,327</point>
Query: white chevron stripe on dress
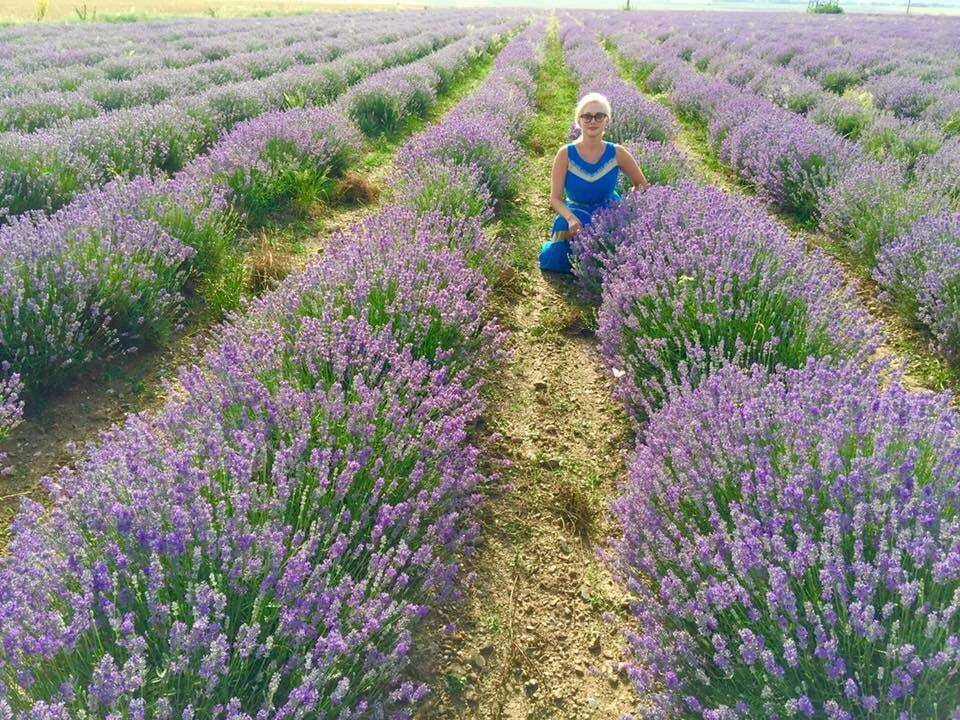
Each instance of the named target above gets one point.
<point>588,176</point>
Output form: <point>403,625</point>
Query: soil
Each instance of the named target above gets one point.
<point>540,633</point>
<point>531,640</point>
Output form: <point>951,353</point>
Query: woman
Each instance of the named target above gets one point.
<point>584,179</point>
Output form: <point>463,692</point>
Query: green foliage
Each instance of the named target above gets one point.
<point>286,176</point>
<point>952,126</point>
<point>827,7</point>
<point>904,142</point>
<point>85,13</point>
<point>840,80</point>
<point>741,324</point>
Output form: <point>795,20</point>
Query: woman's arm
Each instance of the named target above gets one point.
<point>557,177</point>
<point>631,169</point>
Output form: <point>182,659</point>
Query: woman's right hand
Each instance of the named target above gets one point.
<point>574,226</point>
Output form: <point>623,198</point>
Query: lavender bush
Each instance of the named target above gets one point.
<point>90,279</point>
<point>871,206</point>
<point>263,547</point>
<point>381,103</point>
<point>788,159</point>
<point>847,117</point>
<point>661,163</point>
<point>27,113</point>
<point>920,274</point>
<point>905,142</point>
<point>470,140</point>
<point>11,408</point>
<point>939,173</point>
<point>449,188</point>
<point>693,279</point>
<point>280,156</point>
<point>905,97</point>
<point>791,544</point>
<point>108,272</point>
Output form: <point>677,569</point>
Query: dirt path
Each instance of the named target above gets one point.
<point>905,346</point>
<point>538,635</point>
<point>52,434</point>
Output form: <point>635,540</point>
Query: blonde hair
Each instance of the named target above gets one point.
<point>586,100</point>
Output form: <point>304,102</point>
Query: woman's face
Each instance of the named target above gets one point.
<point>593,119</point>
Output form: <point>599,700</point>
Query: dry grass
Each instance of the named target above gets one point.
<point>268,262</point>
<point>65,10</point>
<point>356,189</point>
<point>572,503</point>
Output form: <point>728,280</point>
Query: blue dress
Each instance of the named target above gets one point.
<point>587,188</point>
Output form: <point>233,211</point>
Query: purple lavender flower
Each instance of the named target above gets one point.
<point>311,487</point>
<point>466,141</point>
<point>11,408</point>
<point>920,274</point>
<point>905,97</point>
<point>787,158</point>
<point>870,206</point>
<point>802,500</point>
<point>449,188</point>
<point>939,174</point>
<point>278,156</point>
<point>693,279</point>
<point>92,278</point>
<point>662,164</point>
<point>380,103</point>
<point>904,141</point>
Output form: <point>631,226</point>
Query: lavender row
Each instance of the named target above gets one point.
<point>896,131</point>
<point>910,78</point>
<point>781,531</point>
<point>787,516</point>
<point>829,182</point>
<point>31,111</point>
<point>44,170</point>
<point>273,538</point>
<point>40,55</point>
<point>263,548</point>
<point>107,273</point>
<point>468,164</point>
<point>691,279</point>
<point>44,64</point>
<point>752,598</point>
<point>791,543</point>
<point>788,159</point>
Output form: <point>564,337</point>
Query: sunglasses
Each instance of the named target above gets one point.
<point>593,117</point>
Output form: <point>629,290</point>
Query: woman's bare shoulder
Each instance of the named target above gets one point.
<point>623,153</point>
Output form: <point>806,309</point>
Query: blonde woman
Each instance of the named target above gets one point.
<point>584,179</point>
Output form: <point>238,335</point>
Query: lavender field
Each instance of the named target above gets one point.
<point>714,474</point>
